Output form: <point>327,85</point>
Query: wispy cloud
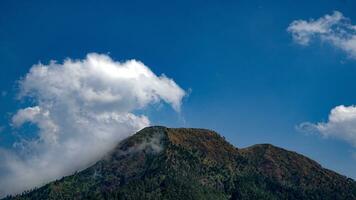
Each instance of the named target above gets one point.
<point>335,29</point>
<point>82,109</point>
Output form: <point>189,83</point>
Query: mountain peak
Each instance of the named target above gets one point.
<point>165,163</point>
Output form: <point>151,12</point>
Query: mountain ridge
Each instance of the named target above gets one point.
<point>190,163</point>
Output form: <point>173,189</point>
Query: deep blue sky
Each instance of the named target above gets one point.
<point>248,79</point>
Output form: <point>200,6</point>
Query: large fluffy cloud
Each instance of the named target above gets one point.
<point>341,124</point>
<point>81,109</point>
<point>334,29</point>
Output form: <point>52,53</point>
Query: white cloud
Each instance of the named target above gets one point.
<point>334,29</point>
<point>82,109</point>
<point>341,124</point>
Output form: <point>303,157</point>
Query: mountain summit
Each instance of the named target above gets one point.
<point>184,163</point>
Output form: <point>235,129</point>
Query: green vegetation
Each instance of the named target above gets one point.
<point>197,164</point>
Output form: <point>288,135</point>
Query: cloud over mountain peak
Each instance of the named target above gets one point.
<point>82,108</point>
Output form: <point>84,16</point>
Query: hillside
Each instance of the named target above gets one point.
<point>168,163</point>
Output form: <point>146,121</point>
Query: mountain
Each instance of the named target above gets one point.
<point>183,163</point>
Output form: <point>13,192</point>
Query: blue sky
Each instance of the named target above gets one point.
<point>244,74</point>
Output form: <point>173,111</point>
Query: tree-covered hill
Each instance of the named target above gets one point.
<point>168,163</point>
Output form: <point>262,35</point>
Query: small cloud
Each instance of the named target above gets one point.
<point>334,29</point>
<point>341,124</point>
<point>152,144</point>
<point>190,90</point>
